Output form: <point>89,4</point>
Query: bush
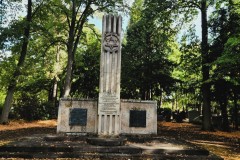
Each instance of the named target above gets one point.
<point>167,113</point>
<point>179,116</point>
<point>29,107</point>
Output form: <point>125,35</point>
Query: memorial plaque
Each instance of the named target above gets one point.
<point>78,116</point>
<point>137,118</point>
<point>108,104</point>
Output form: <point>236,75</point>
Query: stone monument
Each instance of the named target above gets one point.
<point>110,70</point>
<point>109,115</point>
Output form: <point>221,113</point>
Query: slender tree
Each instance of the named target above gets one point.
<point>17,72</point>
<point>206,92</point>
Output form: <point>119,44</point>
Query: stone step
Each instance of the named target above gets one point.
<point>31,155</point>
<point>52,147</point>
<point>87,149</point>
<point>103,149</point>
<point>107,141</point>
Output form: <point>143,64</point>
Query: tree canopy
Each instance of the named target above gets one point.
<point>53,51</point>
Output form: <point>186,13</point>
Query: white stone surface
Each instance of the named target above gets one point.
<point>63,116</point>
<point>151,116</point>
<point>121,120</point>
<point>110,70</point>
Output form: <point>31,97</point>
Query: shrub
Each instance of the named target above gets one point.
<point>29,107</point>
<point>167,113</point>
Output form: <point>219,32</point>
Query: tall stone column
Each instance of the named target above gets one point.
<point>110,70</point>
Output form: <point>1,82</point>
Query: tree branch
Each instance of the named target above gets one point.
<point>82,15</point>
<point>64,11</point>
<point>79,6</point>
<point>192,4</point>
<point>94,32</point>
<point>38,7</point>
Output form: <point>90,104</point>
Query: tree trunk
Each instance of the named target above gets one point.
<point>55,83</point>
<point>7,105</point>
<point>221,95</point>
<point>207,124</point>
<point>70,44</point>
<point>75,30</point>
<point>55,89</point>
<point>235,111</point>
<point>67,84</point>
<point>160,98</point>
<point>225,123</point>
<point>13,82</point>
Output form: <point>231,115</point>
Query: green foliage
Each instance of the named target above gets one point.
<point>146,68</point>
<point>154,64</point>
<point>225,55</point>
<point>188,71</point>
<point>29,107</point>
<point>226,44</point>
<point>136,11</point>
<point>86,69</point>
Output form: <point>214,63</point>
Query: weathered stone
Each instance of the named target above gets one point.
<point>66,105</point>
<point>110,70</point>
<point>107,141</point>
<point>151,116</point>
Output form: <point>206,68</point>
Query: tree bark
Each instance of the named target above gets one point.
<point>70,43</point>
<point>221,95</point>
<point>13,81</point>
<point>225,123</point>
<point>55,83</point>
<point>67,84</point>
<point>160,98</point>
<point>235,110</point>
<point>207,124</point>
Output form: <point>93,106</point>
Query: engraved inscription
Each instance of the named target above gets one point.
<point>109,104</point>
<point>78,116</point>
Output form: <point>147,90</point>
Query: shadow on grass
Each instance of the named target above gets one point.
<point>10,135</point>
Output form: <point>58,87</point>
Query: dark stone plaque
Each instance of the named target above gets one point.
<point>137,118</point>
<point>78,116</point>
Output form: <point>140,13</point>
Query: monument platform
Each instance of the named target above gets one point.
<point>136,147</point>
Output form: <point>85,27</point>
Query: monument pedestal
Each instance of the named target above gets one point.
<point>135,117</point>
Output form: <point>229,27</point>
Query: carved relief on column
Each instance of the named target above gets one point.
<point>110,70</point>
<point>111,43</point>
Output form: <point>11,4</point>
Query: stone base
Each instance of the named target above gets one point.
<point>66,105</point>
<point>76,147</point>
<point>107,141</point>
<point>150,110</point>
<point>125,123</point>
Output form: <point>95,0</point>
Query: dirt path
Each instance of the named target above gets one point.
<point>18,129</point>
<point>226,145</point>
